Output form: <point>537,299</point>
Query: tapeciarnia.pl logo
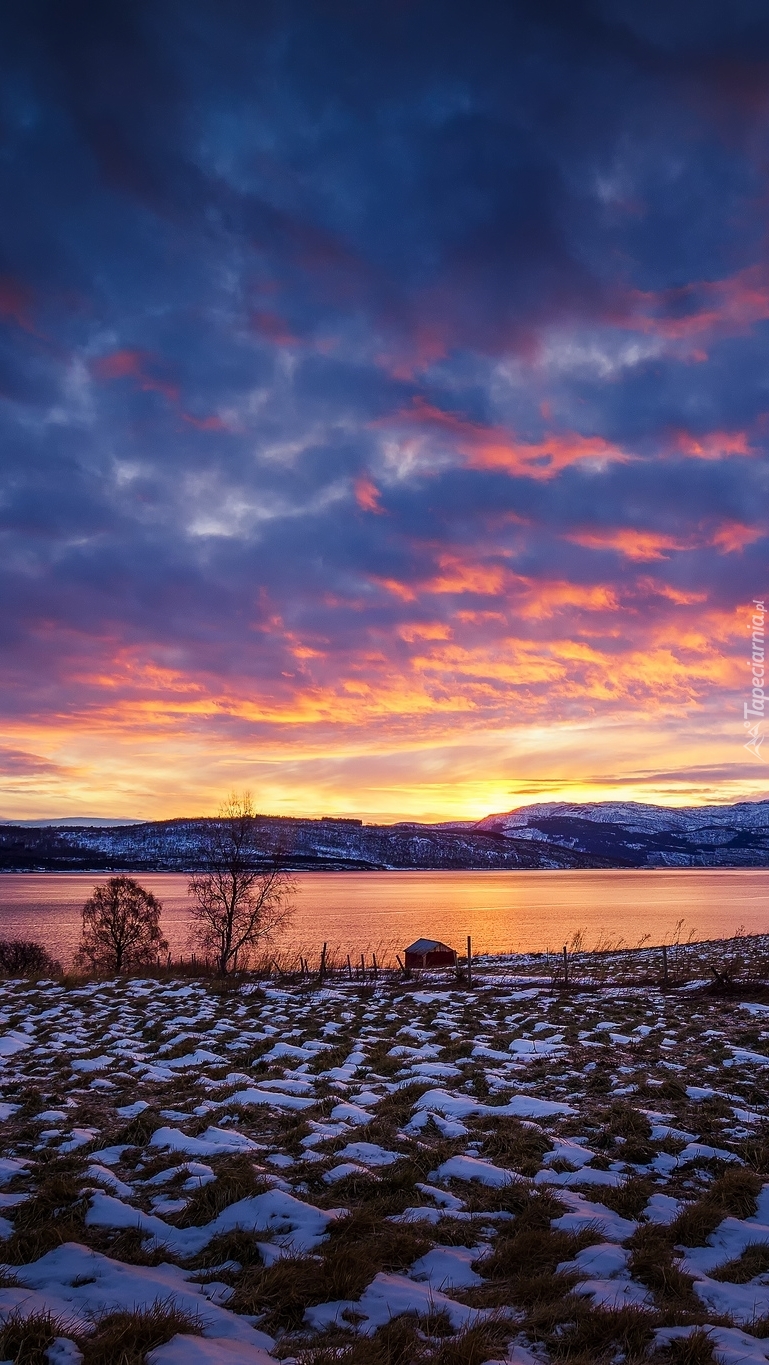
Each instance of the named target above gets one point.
<point>754,709</point>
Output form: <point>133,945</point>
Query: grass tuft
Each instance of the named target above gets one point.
<point>359,1247</point>
<point>236,1178</point>
<point>517,1145</point>
<point>25,1340</point>
<point>652,1263</point>
<point>604,1335</point>
<point>753,1261</point>
<point>125,1338</point>
<point>137,1132</point>
<point>733,1194</point>
<point>696,1349</point>
<point>54,1214</point>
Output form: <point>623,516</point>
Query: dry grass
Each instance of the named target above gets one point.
<point>399,1342</point>
<point>239,1247</point>
<point>521,1269</point>
<point>125,1338</point>
<point>359,1247</point>
<point>628,1200</point>
<point>391,1190</point>
<point>25,1340</point>
<point>236,1179</point>
<point>521,1289</point>
<point>138,1131</point>
<point>476,1345</point>
<point>652,1263</point>
<point>602,1335</point>
<point>623,1120</point>
<point>54,1214</point>
<point>696,1349</point>
<point>516,1145</point>
<point>411,1340</point>
<point>753,1261</point>
<point>734,1193</point>
<point>755,1149</point>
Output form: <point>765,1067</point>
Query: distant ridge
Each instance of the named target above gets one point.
<point>75,821</point>
<point>605,834</point>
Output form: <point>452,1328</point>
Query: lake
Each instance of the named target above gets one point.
<point>383,911</point>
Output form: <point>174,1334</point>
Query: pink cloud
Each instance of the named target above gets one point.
<point>140,366</point>
<point>367,495</point>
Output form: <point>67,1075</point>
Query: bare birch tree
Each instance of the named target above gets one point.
<point>239,901</point>
<point>121,927</point>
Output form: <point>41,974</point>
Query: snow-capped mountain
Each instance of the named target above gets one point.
<point>551,835</point>
<point>633,834</point>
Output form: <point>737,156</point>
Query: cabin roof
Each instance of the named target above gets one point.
<point>428,945</point>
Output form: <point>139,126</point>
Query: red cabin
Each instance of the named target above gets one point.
<point>429,952</point>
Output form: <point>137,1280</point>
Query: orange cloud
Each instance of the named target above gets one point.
<point>459,576</point>
<point>640,545</point>
<point>140,731</point>
<point>477,618</point>
<point>486,447</point>
<point>542,599</point>
<point>401,590</point>
<point>426,630</point>
<point>732,535</point>
<point>681,599</point>
<point>428,343</point>
<point>531,598</point>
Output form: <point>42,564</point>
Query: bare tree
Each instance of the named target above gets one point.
<point>121,927</point>
<point>26,957</point>
<point>239,901</point>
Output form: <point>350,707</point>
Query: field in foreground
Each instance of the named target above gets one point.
<point>410,1173</point>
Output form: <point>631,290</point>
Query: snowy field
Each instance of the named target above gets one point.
<point>420,1172</point>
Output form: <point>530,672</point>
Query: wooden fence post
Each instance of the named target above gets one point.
<point>565,966</point>
<point>323,962</point>
<point>363,967</point>
<point>664,964</point>
<point>349,967</point>
<point>469,961</point>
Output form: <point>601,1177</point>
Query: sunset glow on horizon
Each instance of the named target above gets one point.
<point>384,409</point>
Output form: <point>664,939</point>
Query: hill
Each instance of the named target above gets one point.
<point>548,835</point>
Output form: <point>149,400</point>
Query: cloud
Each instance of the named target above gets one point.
<point>373,386</point>
<point>639,545</point>
<point>147,371</point>
<point>367,495</point>
<point>704,309</point>
<point>713,445</point>
<point>15,763</point>
<point>16,303</point>
<point>493,448</point>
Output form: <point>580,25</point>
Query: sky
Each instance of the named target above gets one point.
<point>384,404</point>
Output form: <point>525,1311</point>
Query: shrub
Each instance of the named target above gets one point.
<point>25,957</point>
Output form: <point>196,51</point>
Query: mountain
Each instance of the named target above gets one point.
<point>631,834</point>
<point>551,835</point>
<point>333,844</point>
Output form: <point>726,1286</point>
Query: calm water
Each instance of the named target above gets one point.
<point>383,911</point>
